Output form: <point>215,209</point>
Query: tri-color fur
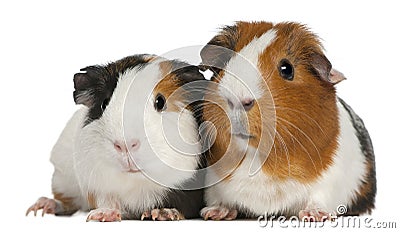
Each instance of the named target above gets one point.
<point>119,99</point>
<point>319,153</point>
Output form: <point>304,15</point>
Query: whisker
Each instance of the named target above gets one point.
<point>283,143</point>
<point>276,158</point>
<point>301,131</point>
<point>301,145</point>
<point>304,114</point>
<point>271,137</point>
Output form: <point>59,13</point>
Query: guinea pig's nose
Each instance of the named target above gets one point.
<point>134,144</point>
<point>248,103</point>
<point>121,147</point>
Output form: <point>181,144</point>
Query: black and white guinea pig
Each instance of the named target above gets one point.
<point>285,143</point>
<point>127,153</point>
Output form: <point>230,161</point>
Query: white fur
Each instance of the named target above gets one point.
<point>86,156</point>
<point>242,79</point>
<point>339,183</point>
<point>261,194</point>
<point>64,179</point>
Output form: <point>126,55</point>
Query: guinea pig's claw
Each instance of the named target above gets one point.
<point>47,205</point>
<point>145,215</point>
<point>218,213</point>
<point>314,215</point>
<point>164,214</point>
<point>104,215</point>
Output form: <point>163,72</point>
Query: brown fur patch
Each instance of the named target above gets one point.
<point>167,86</point>
<point>91,198</point>
<point>214,113</point>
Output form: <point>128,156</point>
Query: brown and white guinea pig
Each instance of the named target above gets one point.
<point>126,153</point>
<point>285,144</point>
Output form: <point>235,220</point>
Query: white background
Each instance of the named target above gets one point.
<point>43,43</point>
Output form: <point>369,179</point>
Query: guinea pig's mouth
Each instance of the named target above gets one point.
<point>129,167</point>
<point>243,135</point>
<point>132,170</point>
<point>240,129</point>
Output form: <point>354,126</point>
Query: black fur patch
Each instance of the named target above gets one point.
<point>188,202</point>
<point>186,73</point>
<point>96,85</point>
<point>365,201</point>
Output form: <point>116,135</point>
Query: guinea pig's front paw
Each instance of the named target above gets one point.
<point>314,215</point>
<point>218,213</point>
<point>104,215</point>
<point>48,205</point>
<point>163,214</point>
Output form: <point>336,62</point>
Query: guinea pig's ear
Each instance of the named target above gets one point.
<point>192,82</point>
<point>85,84</point>
<point>187,74</point>
<point>322,67</point>
<point>336,76</point>
<point>219,50</point>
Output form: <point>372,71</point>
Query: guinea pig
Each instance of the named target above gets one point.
<point>285,144</point>
<point>132,150</point>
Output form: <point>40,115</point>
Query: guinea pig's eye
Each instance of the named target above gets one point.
<point>286,70</point>
<point>105,103</point>
<point>160,103</point>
